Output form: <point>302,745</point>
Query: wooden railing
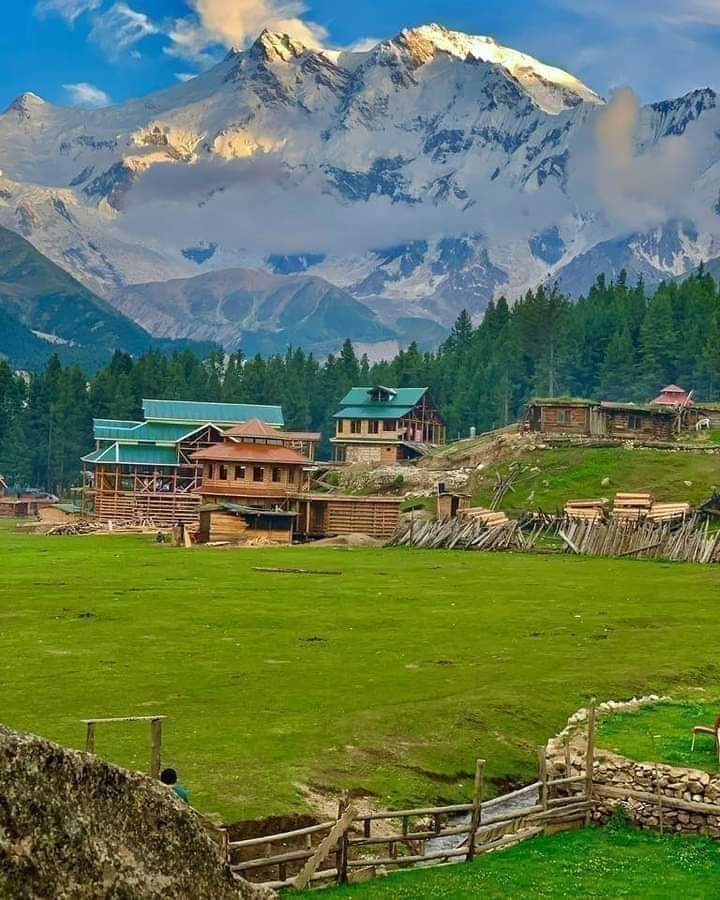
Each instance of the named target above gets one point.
<point>358,841</point>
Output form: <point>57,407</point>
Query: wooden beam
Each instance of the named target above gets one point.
<point>324,848</point>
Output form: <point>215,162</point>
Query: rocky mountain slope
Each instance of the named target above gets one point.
<point>433,172</point>
<point>261,312</point>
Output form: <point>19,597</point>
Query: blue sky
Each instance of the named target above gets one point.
<point>98,51</point>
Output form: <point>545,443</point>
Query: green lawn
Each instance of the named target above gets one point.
<point>593,862</point>
<point>389,679</point>
<point>662,733</point>
<point>557,475</point>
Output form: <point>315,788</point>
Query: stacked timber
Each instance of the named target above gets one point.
<point>632,507</point>
<point>669,512</point>
<point>490,517</point>
<point>588,510</point>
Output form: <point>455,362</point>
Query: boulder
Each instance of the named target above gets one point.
<point>73,826</point>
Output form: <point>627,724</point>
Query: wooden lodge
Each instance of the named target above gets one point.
<point>566,415</point>
<point>386,425</point>
<point>255,483</point>
<point>145,470</point>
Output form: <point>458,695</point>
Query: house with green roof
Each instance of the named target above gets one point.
<point>383,425</point>
<point>145,470</point>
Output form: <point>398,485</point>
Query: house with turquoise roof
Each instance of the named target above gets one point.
<point>145,470</point>
<point>383,425</point>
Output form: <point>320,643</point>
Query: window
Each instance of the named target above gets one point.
<point>355,426</point>
<point>258,473</point>
<point>239,473</point>
<point>276,474</point>
<point>222,472</point>
<point>634,423</point>
<point>373,426</point>
<point>389,425</point>
<point>563,417</point>
<point>291,476</point>
<point>340,426</point>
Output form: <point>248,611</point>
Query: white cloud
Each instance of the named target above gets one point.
<point>84,94</point>
<point>236,23</point>
<point>120,27</point>
<point>184,76</point>
<point>68,9</point>
<point>362,45</point>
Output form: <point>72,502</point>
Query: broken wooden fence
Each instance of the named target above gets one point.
<point>336,849</point>
<point>687,541</point>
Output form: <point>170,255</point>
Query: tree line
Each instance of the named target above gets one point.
<point>620,342</point>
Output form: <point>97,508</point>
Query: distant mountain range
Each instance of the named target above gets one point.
<point>292,194</point>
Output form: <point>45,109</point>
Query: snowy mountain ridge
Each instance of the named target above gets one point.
<point>430,173</point>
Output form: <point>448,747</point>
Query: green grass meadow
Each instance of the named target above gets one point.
<point>560,474</point>
<point>389,679</point>
<point>662,732</point>
<point>597,863</point>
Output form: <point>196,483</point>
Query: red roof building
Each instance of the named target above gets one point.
<point>672,395</point>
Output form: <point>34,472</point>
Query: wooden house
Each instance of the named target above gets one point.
<point>61,513</point>
<point>386,425</point>
<point>672,395</point>
<point>252,464</point>
<point>565,415</point>
<point>255,474</point>
<point>146,470</point>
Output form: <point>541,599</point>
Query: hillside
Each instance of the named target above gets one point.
<point>44,310</point>
<point>261,312</point>
<point>554,476</point>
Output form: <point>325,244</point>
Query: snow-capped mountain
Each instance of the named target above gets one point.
<point>433,172</point>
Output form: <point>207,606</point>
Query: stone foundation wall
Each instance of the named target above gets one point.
<point>692,790</point>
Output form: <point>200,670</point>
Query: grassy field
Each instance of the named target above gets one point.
<point>561,474</point>
<point>597,863</point>
<point>662,733</point>
<point>388,679</point>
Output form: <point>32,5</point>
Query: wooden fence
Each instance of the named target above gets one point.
<point>334,850</point>
<point>688,541</point>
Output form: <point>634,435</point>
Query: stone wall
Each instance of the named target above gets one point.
<point>73,826</point>
<point>686,789</point>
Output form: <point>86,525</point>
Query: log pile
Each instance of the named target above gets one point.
<point>669,512</point>
<point>588,510</point>
<point>491,518</point>
<point>632,507</point>
<point>74,528</point>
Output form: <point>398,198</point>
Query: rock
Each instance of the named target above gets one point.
<point>605,482</point>
<point>73,826</point>
<point>688,483</point>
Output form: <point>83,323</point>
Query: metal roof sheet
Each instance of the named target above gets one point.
<point>130,454</point>
<point>408,396</point>
<point>155,432</point>
<point>220,413</point>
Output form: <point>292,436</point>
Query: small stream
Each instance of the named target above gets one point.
<point>509,803</point>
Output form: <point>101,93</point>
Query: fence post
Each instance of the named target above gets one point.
<point>568,765</point>
<point>476,813</point>
<point>155,747</point>
<point>543,776</point>
<point>302,880</point>
<point>343,846</point>
<point>90,738</point>
<point>590,758</point>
